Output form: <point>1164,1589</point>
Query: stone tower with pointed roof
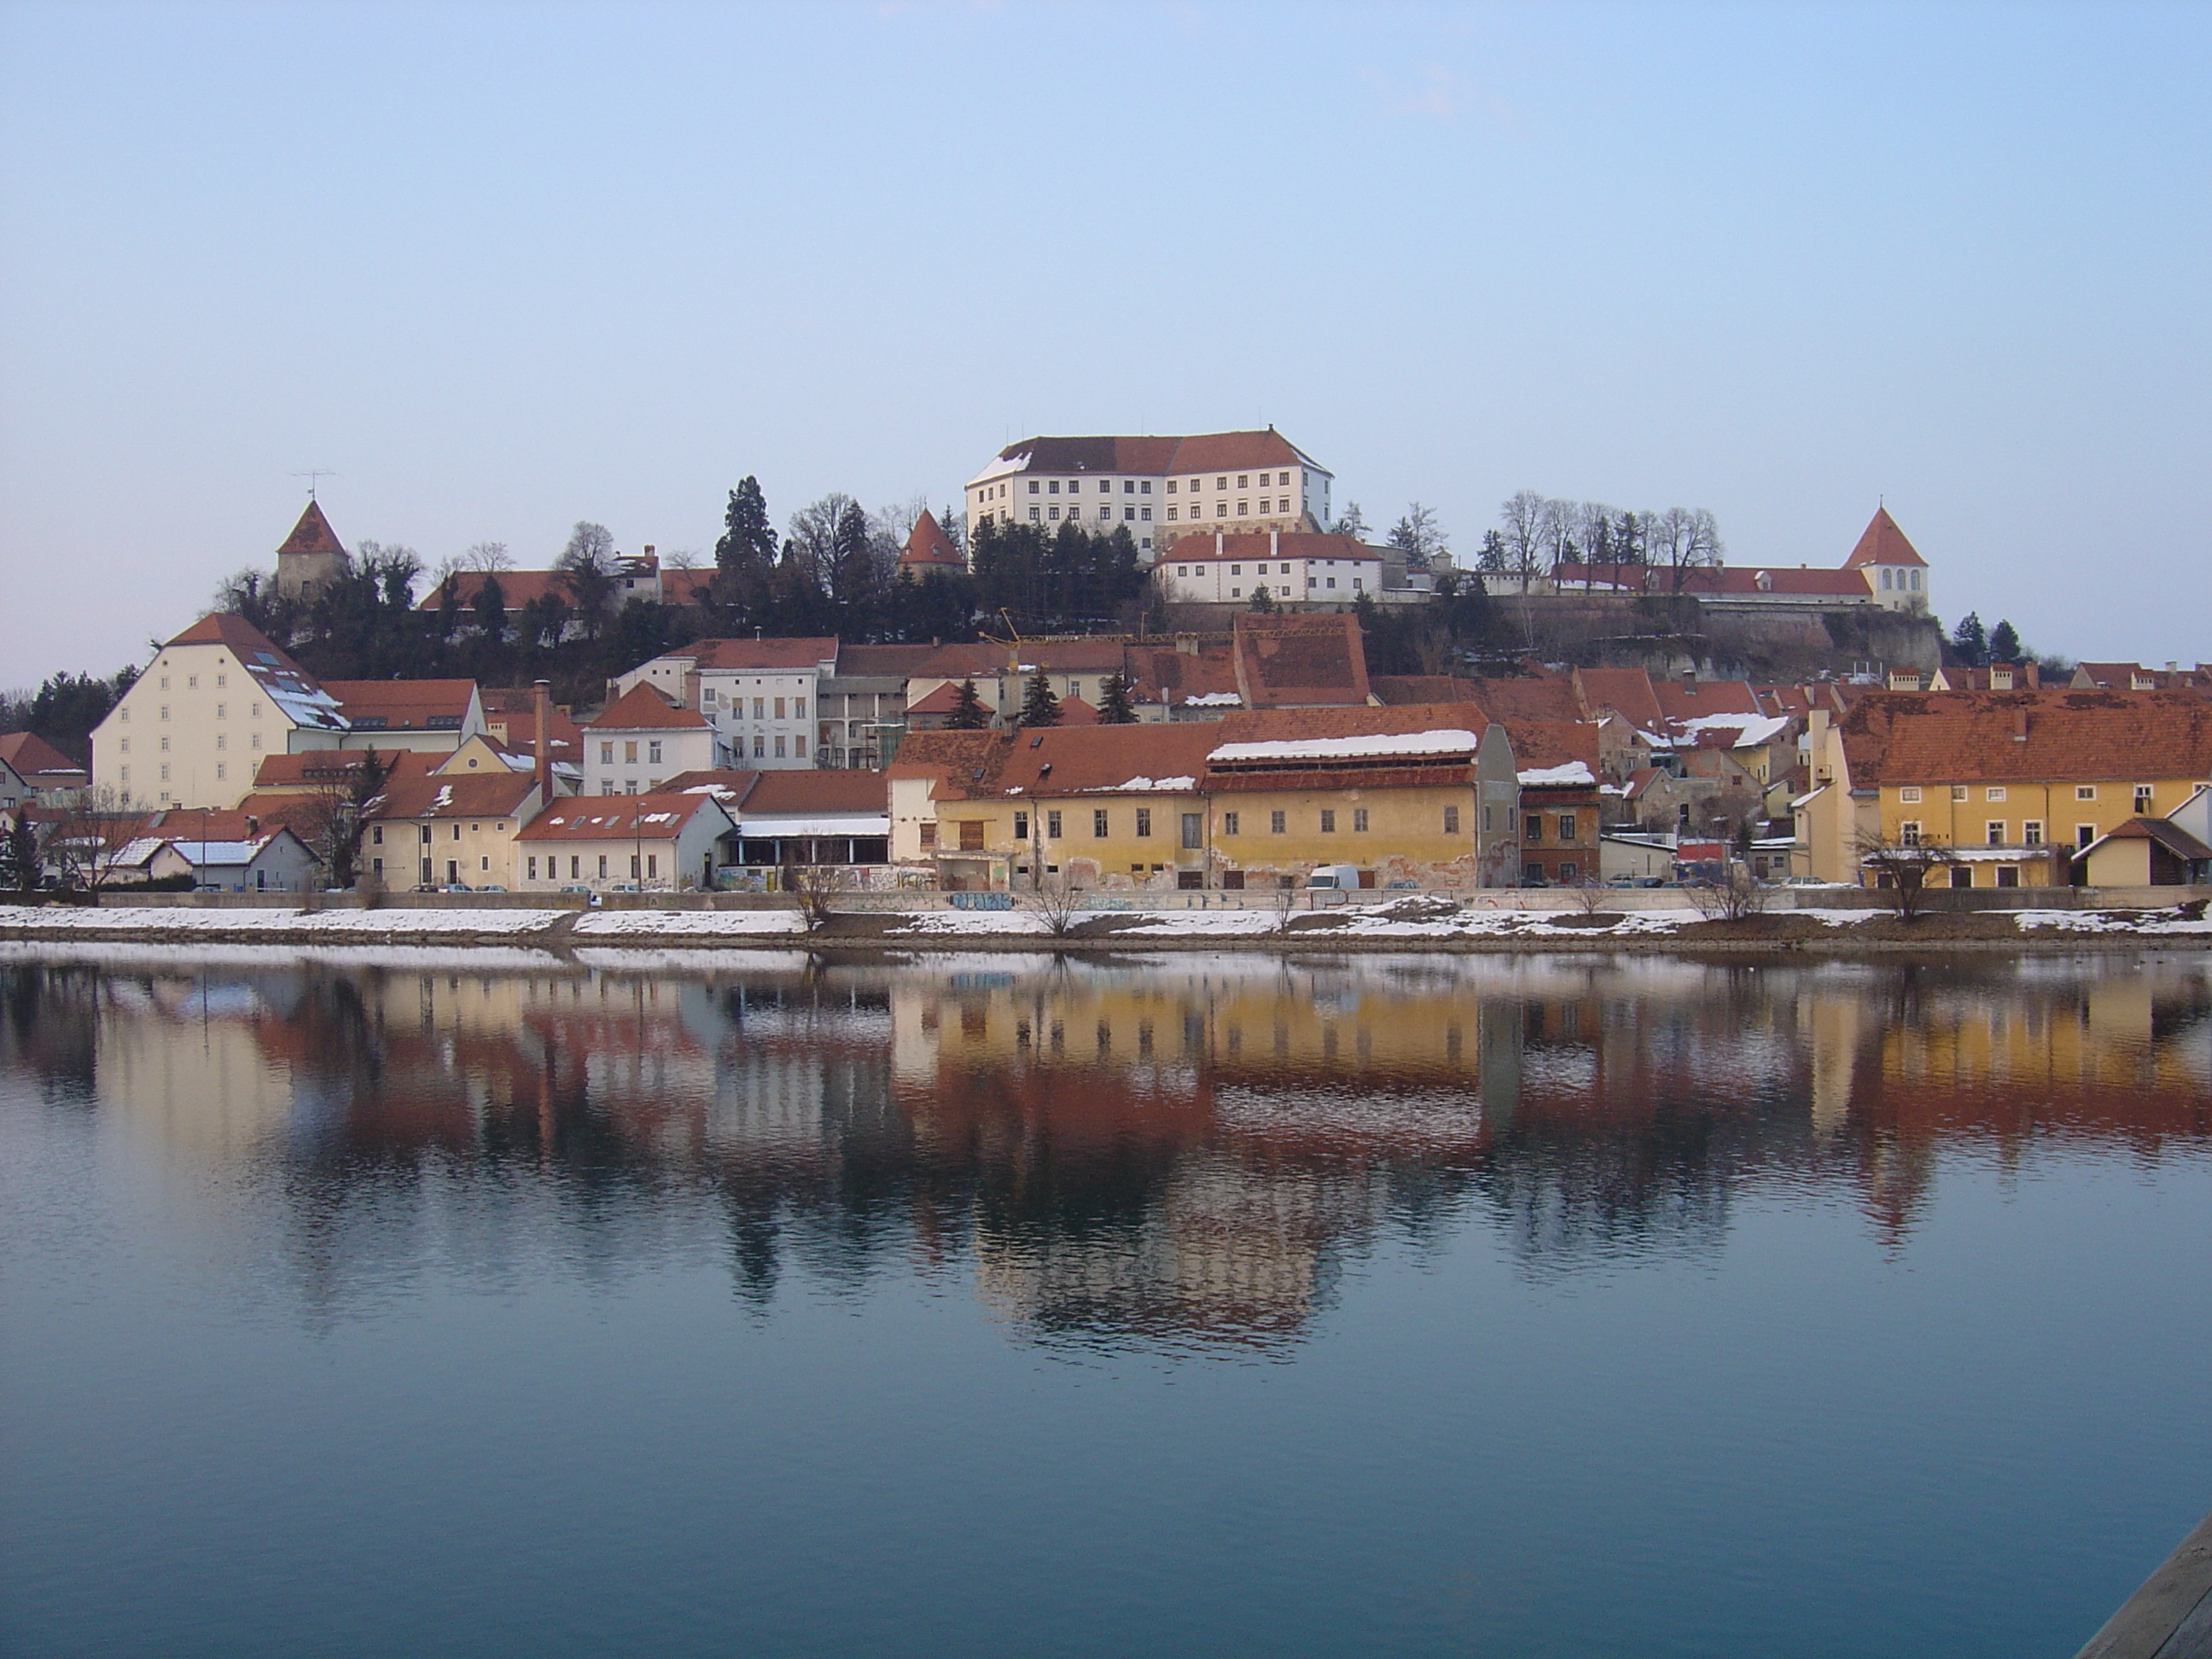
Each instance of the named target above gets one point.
<point>311,556</point>
<point>1892,565</point>
<point>928,548</point>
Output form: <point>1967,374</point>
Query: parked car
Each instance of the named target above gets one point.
<point>491,887</point>
<point>454,887</point>
<point>1340,876</point>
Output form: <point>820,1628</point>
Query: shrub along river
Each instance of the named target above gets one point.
<point>487,1304</point>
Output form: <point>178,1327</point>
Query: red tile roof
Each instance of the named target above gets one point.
<point>938,701</point>
<point>1088,656</point>
<point>1078,760</point>
<point>2056,736</point>
<point>33,756</point>
<point>1210,452</point>
<point>1395,688</point>
<point>731,785</point>
<point>1882,542</point>
<point>1718,581</point>
<point>825,792</point>
<point>1533,697</point>
<point>1539,743</point>
<point>1680,700</point>
<point>403,705</point>
<point>964,764</point>
<point>1204,546</point>
<point>927,546</point>
<point>467,795</point>
<point>312,534</point>
<point>768,655</point>
<point>1297,726</point>
<point>660,817</point>
<point>316,768</point>
<point>1073,711</point>
<point>642,709</point>
<point>1300,661</point>
<point>1167,674</point>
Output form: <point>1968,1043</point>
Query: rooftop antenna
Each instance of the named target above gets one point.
<point>313,474</point>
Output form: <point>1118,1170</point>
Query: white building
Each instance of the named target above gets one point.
<point>759,695</point>
<point>1248,480</point>
<point>1296,569</point>
<point>653,843</point>
<point>643,739</point>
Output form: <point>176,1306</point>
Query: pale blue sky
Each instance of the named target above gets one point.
<point>508,267</point>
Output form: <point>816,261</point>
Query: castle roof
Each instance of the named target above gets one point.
<point>926,544</point>
<point>312,534</point>
<point>1883,542</point>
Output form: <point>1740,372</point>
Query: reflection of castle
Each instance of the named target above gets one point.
<point>1175,1150</point>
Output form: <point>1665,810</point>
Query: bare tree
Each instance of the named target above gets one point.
<point>587,571</point>
<point>87,847</point>
<point>681,558</point>
<point>1420,539</point>
<point>1521,520</point>
<point>1733,897</point>
<point>488,557</point>
<point>1059,904</point>
<point>812,885</point>
<point>1682,538</point>
<point>1556,523</point>
<point>1904,868</point>
<point>1589,895</point>
<point>1351,522</point>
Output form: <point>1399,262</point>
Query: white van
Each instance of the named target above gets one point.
<point>1340,876</point>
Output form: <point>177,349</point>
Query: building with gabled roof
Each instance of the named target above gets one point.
<point>1298,569</point>
<point>312,557</point>
<point>439,831</point>
<point>1253,481</point>
<point>39,771</point>
<point>1300,662</point>
<point>641,739</point>
<point>652,843</point>
<point>761,697</point>
<point>2145,853</point>
<point>430,716</point>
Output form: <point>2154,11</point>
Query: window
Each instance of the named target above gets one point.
<point>1358,820</point>
<point>1171,486</point>
<point>575,866</point>
<point>1277,822</point>
<point>1958,791</point>
<point>2085,792</point>
<point>1568,871</point>
<point>192,682</point>
<point>1356,584</point>
<point>2031,832</point>
<point>1194,832</point>
<point>1052,824</point>
<point>1996,830</point>
<point>1995,791</point>
<point>1908,833</point>
<point>533,869</point>
<point>606,754</point>
<point>1228,823</point>
<point>1144,820</point>
<point>799,747</point>
<point>2084,833</point>
<point>1910,794</point>
<point>1055,514</point>
<point>1244,507</point>
<point>1451,820</point>
<point>1147,490</point>
<point>1054,488</point>
<point>1098,822</point>
<point>1235,569</point>
<point>1282,570</point>
<point>1327,822</point>
<point>221,681</point>
<point>1244,480</point>
<point>1034,514</point>
<point>1567,826</point>
<point>1886,577</point>
<point>165,711</point>
<point>1221,482</point>
<point>221,711</point>
<point>1916,581</point>
<point>760,708</point>
<point>2143,800</point>
<point>971,834</point>
<point>220,771</point>
<point>1033,486</point>
<point>253,740</point>
<point>1534,829</point>
<point>1021,826</point>
<point>760,747</point>
<point>1145,514</point>
<point>653,754</point>
<point>2007,876</point>
<point>1172,515</point>
<point>630,751</point>
<point>779,755</point>
<point>165,745</point>
<point>929,830</point>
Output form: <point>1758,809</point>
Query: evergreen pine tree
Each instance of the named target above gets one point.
<point>1969,643</point>
<point>1039,706</point>
<point>2004,643</point>
<point>968,713</point>
<point>20,864</point>
<point>1115,706</point>
<point>1263,600</point>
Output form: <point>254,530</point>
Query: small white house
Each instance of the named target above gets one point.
<point>643,740</point>
<point>277,862</point>
<point>1228,569</point>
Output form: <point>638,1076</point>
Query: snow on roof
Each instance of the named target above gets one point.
<point>1141,785</point>
<point>1213,700</point>
<point>1450,741</point>
<point>1754,728</point>
<point>758,829</point>
<point>1572,772</point>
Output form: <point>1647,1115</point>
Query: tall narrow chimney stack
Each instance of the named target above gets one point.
<point>544,713</point>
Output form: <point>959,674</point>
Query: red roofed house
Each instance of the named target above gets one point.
<point>1883,569</point>
<point>652,843</point>
<point>311,557</point>
<point>761,696</point>
<point>643,739</point>
<point>1248,481</point>
<point>439,831</point>
<point>33,770</point>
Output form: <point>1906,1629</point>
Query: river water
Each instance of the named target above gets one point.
<point>483,1303</point>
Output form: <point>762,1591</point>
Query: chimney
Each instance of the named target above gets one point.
<point>1275,545</point>
<point>1186,645</point>
<point>1689,679</point>
<point>253,826</point>
<point>2019,726</point>
<point>1216,543</point>
<point>543,707</point>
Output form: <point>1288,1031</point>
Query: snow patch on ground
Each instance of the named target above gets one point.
<point>688,924</point>
<point>2113,921</point>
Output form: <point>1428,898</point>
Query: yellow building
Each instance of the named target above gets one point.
<point>449,831</point>
<point>2014,785</point>
<point>1424,794</point>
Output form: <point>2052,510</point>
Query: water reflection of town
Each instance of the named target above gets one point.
<point>1179,1149</point>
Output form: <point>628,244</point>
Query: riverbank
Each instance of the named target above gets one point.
<point>1420,920</point>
